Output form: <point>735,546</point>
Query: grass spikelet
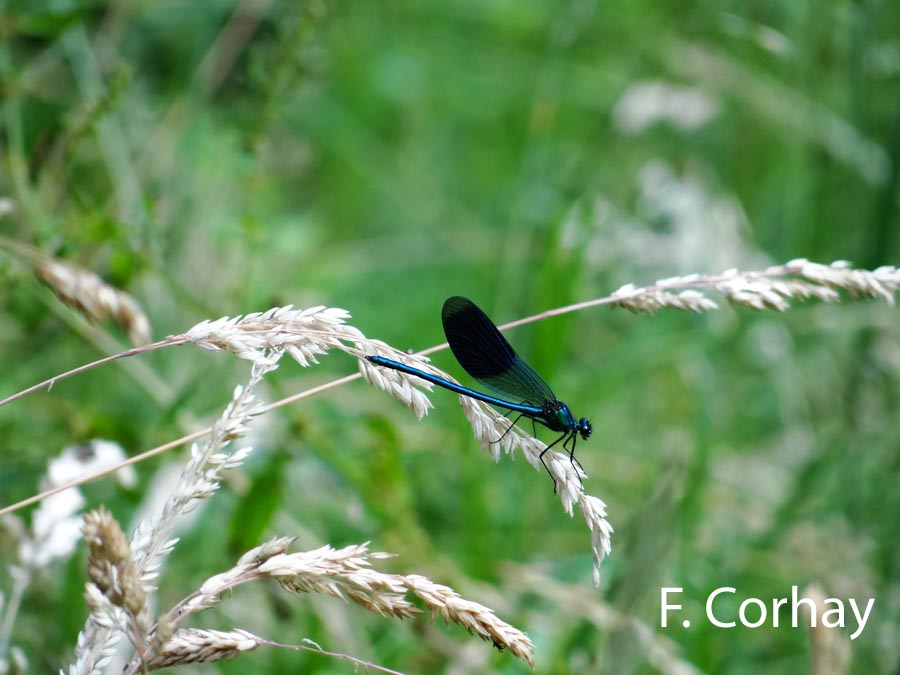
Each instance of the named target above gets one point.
<point>110,565</point>
<point>472,616</point>
<point>94,298</point>
<point>198,645</point>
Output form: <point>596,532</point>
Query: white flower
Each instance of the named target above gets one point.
<point>96,455</point>
<point>55,529</point>
<point>646,103</point>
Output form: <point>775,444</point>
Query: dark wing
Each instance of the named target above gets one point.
<point>486,355</point>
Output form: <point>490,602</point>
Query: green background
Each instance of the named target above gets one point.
<point>220,158</point>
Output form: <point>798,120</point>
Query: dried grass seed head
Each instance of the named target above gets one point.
<point>94,298</point>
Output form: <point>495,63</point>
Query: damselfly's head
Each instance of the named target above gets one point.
<point>584,428</point>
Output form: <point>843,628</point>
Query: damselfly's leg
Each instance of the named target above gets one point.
<point>509,428</point>
<point>544,452</point>
<point>575,463</point>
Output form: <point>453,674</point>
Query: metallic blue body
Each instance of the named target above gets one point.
<point>527,410</point>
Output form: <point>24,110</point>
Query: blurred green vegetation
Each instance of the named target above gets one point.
<point>224,157</point>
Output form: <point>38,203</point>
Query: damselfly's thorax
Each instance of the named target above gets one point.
<point>556,416</point>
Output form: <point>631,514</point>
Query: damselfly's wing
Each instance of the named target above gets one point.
<point>486,355</point>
